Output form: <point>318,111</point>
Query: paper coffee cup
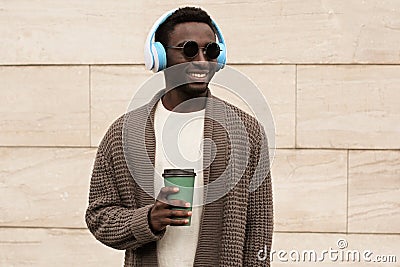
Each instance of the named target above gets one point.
<point>184,180</point>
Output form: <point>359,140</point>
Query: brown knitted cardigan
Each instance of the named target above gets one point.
<point>234,228</point>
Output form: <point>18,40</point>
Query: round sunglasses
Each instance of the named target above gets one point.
<point>191,49</point>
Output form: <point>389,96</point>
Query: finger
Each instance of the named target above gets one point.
<point>179,203</point>
<point>176,222</point>
<point>167,190</point>
<point>180,213</point>
<point>168,213</point>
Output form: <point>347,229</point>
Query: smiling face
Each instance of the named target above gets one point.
<point>198,72</point>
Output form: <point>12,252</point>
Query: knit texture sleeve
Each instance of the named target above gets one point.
<point>111,221</point>
<point>259,226</point>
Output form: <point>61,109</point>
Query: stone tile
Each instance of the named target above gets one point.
<point>294,249</point>
<point>256,32</point>
<point>44,187</point>
<point>112,90</point>
<point>374,191</point>
<point>309,189</point>
<point>54,247</point>
<point>73,32</point>
<point>348,107</point>
<point>319,32</point>
<point>277,84</point>
<point>44,106</point>
<point>380,249</point>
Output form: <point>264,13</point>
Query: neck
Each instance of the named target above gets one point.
<point>178,100</point>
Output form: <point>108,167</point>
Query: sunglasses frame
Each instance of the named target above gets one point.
<point>204,48</point>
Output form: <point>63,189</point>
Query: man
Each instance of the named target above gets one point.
<point>231,228</point>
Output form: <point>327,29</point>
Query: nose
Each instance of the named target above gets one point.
<point>200,56</point>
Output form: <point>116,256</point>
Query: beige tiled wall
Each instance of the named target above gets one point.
<point>310,190</point>
<point>54,247</point>
<point>330,71</point>
<point>374,187</point>
<point>348,106</point>
<point>44,106</point>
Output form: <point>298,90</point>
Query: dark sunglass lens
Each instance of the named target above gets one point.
<point>212,50</point>
<point>190,49</point>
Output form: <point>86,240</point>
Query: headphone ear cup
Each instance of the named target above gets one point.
<point>160,57</point>
<point>221,59</point>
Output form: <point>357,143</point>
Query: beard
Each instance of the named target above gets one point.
<point>196,89</point>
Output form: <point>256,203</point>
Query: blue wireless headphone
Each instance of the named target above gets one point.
<point>155,57</point>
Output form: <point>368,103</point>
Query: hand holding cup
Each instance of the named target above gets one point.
<point>163,214</point>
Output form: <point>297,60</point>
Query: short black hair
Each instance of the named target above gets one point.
<point>185,14</point>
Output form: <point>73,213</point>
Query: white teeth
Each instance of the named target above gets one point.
<point>198,75</point>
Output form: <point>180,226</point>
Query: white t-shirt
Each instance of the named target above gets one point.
<point>179,145</point>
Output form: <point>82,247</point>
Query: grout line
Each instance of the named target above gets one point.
<point>90,105</point>
<point>342,149</point>
<point>230,64</point>
<point>345,233</point>
<point>295,109</point>
<point>316,64</point>
<point>43,227</point>
<point>47,147</point>
<point>347,192</point>
<point>278,148</point>
<point>70,65</point>
<point>279,232</point>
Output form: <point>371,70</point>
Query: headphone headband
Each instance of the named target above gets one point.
<point>154,53</point>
